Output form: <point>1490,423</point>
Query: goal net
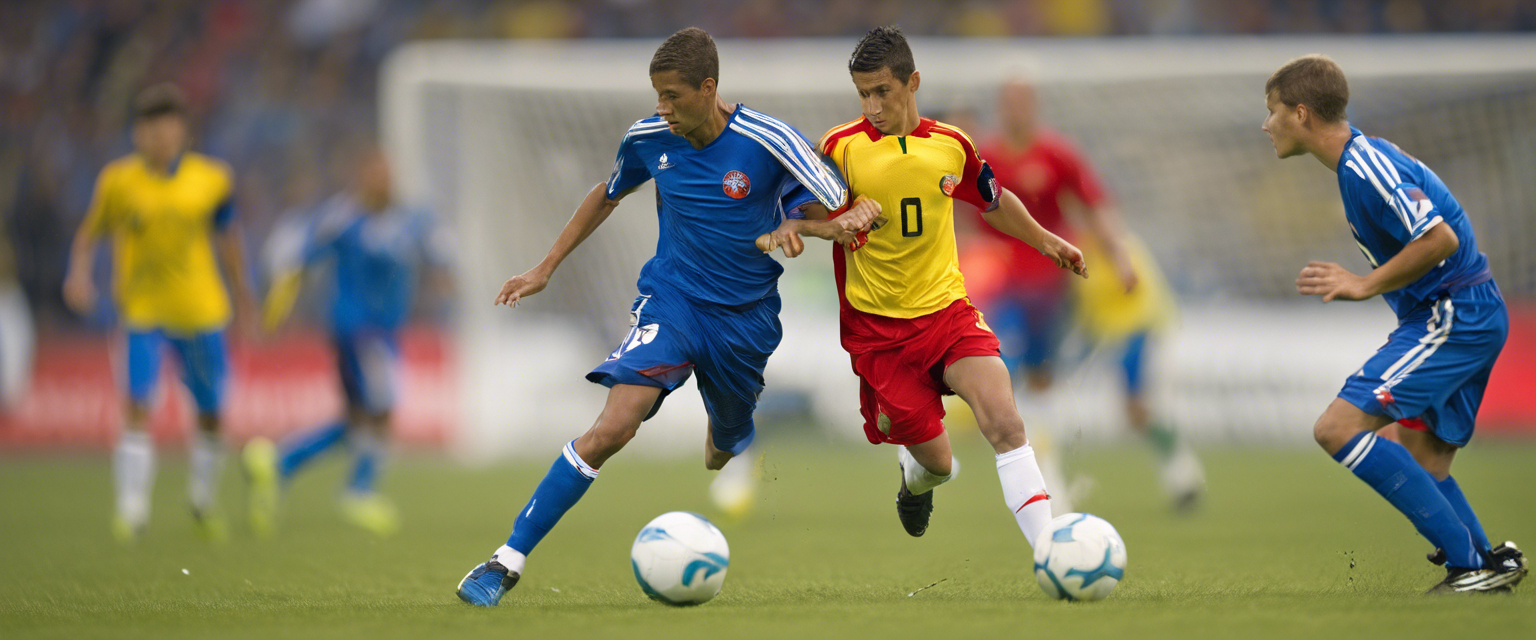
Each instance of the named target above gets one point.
<point>505,139</point>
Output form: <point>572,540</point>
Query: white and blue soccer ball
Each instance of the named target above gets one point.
<point>680,558</point>
<point>1079,557</point>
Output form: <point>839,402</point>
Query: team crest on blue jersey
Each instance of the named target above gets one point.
<point>948,183</point>
<point>662,163</point>
<point>736,185</point>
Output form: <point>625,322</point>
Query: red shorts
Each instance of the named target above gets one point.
<point>901,361</point>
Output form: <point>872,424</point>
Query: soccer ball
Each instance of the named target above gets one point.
<point>1079,557</point>
<point>680,558</point>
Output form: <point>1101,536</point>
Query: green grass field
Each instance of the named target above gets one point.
<point>1288,545</point>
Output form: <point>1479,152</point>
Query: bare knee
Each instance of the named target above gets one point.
<point>604,439</point>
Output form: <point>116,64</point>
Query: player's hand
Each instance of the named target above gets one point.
<point>1127,275</point>
<point>852,227</point>
<point>245,326</point>
<point>786,237</point>
<point>1332,282</point>
<point>80,293</point>
<point>522,286</point>
<point>1064,255</point>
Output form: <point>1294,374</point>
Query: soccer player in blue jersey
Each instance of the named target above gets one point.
<point>1452,323</point>
<point>378,250</point>
<point>708,302</point>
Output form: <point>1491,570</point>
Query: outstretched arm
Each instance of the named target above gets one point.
<point>1103,221</point>
<point>1012,218</point>
<point>1333,282</point>
<point>592,211</point>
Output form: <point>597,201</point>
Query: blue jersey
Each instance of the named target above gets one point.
<point>1390,199</point>
<point>713,203</point>
<point>378,258</point>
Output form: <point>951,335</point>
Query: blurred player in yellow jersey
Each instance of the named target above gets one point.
<point>168,212</point>
<point>909,329</point>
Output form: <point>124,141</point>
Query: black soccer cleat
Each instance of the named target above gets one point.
<point>913,510</point>
<point>1509,562</point>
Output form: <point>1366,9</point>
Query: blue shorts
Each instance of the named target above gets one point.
<point>671,337</point>
<point>1431,373</point>
<point>1133,363</point>
<point>204,365</point>
<point>369,363</point>
<point>1029,326</point>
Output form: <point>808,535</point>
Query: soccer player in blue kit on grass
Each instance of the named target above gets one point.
<point>379,250</point>
<point>708,302</point>
<point>1452,323</point>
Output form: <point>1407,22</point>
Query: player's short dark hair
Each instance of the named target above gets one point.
<point>1313,80</point>
<point>691,53</point>
<point>883,47</point>
<point>164,99</point>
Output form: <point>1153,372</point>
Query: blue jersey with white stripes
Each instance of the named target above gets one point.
<point>378,259</point>
<point>1390,199</point>
<point>713,203</point>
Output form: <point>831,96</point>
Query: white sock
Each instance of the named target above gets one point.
<point>1024,490</point>
<point>510,558</point>
<point>207,461</point>
<point>133,473</point>
<point>919,479</point>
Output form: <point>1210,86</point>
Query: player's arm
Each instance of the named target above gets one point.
<point>230,244</point>
<point>590,214</point>
<point>842,228</point>
<point>1333,282</point>
<point>79,290</point>
<point>1103,221</point>
<point>1010,217</point>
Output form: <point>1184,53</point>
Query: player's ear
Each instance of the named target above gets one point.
<point>708,86</point>
<point>915,79</point>
<point>1304,116</point>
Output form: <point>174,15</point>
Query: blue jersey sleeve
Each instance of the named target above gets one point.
<point>1377,189</point>
<point>796,154</point>
<point>794,198</point>
<point>224,214</point>
<point>629,170</point>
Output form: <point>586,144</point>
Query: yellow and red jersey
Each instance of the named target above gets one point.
<point>161,225</point>
<point>909,266</point>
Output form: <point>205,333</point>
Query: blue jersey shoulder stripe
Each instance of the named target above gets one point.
<point>1386,193</point>
<point>794,153</point>
<point>832,188</point>
<point>641,128</point>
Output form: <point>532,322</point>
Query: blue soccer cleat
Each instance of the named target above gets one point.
<point>486,583</point>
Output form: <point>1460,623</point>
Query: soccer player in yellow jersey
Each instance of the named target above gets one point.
<point>165,208</point>
<point>905,319</point>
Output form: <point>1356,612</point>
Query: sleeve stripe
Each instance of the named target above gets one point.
<point>1385,195</point>
<point>795,154</point>
<point>1351,164</point>
<point>1387,168</point>
<point>639,128</point>
<point>796,145</point>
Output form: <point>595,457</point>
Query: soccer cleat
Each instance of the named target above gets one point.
<point>484,585</point>
<point>1509,562</point>
<point>261,478</point>
<point>1471,581</point>
<point>913,510</point>
<point>210,525</point>
<point>1436,557</point>
<point>126,532</point>
<point>372,512</point>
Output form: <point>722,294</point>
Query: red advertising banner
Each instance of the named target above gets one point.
<point>76,396</point>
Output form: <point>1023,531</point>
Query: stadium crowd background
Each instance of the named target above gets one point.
<point>285,90</point>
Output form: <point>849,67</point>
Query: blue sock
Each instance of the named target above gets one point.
<point>365,465</point>
<point>303,447</point>
<point>1393,473</point>
<point>566,482</point>
<point>1458,500</point>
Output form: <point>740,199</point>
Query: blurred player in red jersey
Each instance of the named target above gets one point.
<point>1035,299</point>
